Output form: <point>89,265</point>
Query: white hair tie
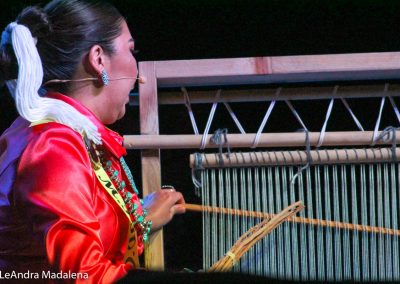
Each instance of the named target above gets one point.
<point>29,104</point>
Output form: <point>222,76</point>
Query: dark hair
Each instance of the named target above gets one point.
<point>66,30</point>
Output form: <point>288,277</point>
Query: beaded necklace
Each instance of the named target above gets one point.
<point>98,159</point>
<point>139,219</point>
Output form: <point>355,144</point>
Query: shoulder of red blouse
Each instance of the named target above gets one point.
<point>56,177</point>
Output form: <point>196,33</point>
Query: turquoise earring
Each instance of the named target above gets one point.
<point>104,78</point>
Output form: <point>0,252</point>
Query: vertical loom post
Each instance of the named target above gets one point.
<point>151,171</point>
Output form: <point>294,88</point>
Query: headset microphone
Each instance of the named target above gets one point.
<point>141,79</point>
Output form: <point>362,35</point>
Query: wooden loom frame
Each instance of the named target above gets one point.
<point>238,71</point>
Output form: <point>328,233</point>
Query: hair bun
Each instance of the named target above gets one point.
<point>36,19</point>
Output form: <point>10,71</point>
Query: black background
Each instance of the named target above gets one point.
<point>177,29</point>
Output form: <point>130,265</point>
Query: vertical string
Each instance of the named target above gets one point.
<point>257,199</point>
<point>236,204</point>
<point>221,217</point>
<point>279,233</point>
<point>373,222</point>
<point>354,211</point>
<point>264,204</point>
<point>320,230</point>
<point>328,216</point>
<point>364,221</point>
<point>214,221</point>
<point>243,206</point>
<point>205,189</point>
<point>294,252</point>
<point>346,232</point>
<point>387,221</point>
<point>250,206</point>
<point>304,244</point>
<point>271,208</point>
<point>395,223</point>
<point>311,230</point>
<point>338,262</point>
<point>229,201</point>
<point>381,246</point>
<point>286,226</point>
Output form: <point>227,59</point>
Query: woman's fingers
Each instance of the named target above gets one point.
<point>178,209</point>
<point>162,205</point>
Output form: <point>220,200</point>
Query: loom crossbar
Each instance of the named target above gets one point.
<point>254,159</point>
<point>343,138</point>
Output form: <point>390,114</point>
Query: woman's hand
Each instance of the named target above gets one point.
<point>162,205</point>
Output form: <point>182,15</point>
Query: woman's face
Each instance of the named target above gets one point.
<point>122,64</point>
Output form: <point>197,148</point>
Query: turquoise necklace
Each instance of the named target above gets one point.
<point>139,219</point>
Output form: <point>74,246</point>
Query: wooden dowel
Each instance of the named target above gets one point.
<point>219,210</point>
<point>286,158</point>
<point>290,139</point>
<point>301,220</point>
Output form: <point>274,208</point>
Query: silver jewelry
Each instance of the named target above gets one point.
<point>104,77</point>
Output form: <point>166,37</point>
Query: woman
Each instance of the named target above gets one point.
<point>68,203</point>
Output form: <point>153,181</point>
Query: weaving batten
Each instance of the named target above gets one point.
<point>306,221</point>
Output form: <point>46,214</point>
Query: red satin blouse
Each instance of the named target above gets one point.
<point>67,214</point>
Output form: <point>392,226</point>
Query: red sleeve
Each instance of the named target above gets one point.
<point>57,187</point>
